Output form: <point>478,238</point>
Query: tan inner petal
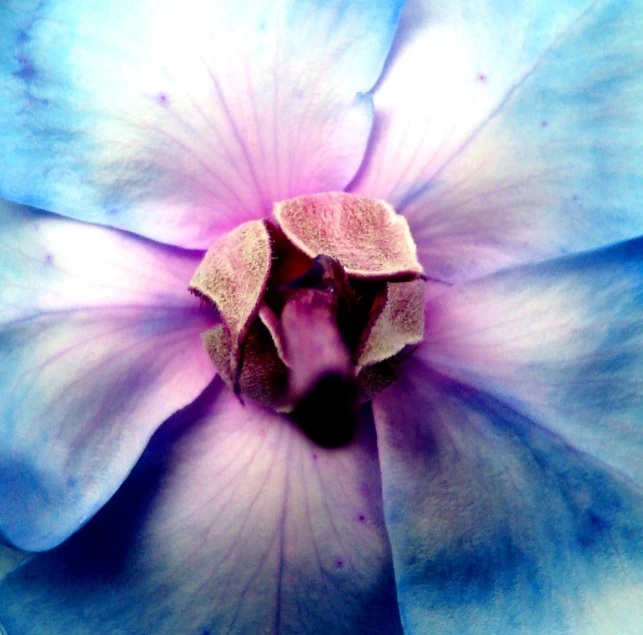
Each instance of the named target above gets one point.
<point>273,324</point>
<point>366,236</point>
<point>376,378</point>
<point>263,377</point>
<point>233,276</point>
<point>398,324</point>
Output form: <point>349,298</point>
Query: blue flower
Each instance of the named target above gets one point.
<point>495,488</point>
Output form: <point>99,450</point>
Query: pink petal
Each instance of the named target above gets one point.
<point>180,120</point>
<point>234,522</point>
<point>100,343</point>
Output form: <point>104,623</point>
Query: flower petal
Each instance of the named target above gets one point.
<point>233,276</point>
<point>367,237</point>
<point>508,134</point>
<point>100,344</point>
<point>399,323</point>
<point>180,120</point>
<point>233,522</point>
<point>498,525</point>
<point>9,559</point>
<point>561,341</point>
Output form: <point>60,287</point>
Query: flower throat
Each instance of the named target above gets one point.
<point>318,304</point>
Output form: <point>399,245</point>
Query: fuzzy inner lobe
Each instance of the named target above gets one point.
<point>314,333</point>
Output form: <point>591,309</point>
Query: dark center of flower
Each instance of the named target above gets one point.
<point>317,305</point>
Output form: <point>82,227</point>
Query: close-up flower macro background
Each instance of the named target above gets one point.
<point>496,487</point>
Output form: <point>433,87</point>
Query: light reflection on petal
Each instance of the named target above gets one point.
<point>511,132</point>
<point>181,120</point>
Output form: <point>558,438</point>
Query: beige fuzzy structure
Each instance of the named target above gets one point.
<point>367,237</point>
<point>400,323</point>
<point>233,276</point>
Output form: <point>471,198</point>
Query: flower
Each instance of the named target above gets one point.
<point>495,488</point>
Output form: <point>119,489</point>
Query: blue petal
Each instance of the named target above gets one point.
<point>509,132</point>
<point>499,526</point>
<point>233,522</point>
<point>179,120</point>
<point>512,456</point>
<point>100,344</point>
<point>561,341</point>
<point>9,559</point>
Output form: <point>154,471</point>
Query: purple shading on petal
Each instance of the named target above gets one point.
<point>222,529</point>
<point>238,137</point>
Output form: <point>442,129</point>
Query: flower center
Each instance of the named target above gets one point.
<point>317,305</point>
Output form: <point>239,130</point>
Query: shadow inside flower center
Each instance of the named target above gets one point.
<point>317,305</point>
<point>327,412</point>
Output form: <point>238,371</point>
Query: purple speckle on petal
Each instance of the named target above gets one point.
<point>314,456</point>
<point>361,518</point>
<point>27,70</point>
<point>162,99</point>
<point>339,564</point>
<point>544,123</point>
<point>482,78</point>
<point>49,258</point>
